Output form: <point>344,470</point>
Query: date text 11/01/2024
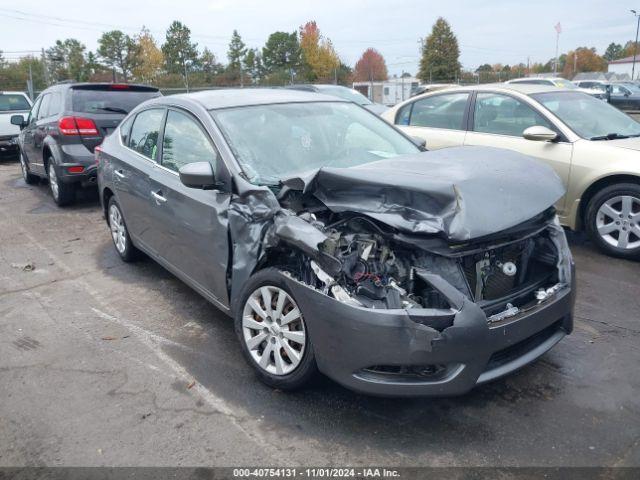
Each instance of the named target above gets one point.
<point>315,473</point>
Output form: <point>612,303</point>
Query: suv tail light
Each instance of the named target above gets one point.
<point>77,126</point>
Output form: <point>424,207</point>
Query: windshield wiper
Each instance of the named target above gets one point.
<point>609,136</point>
<point>113,109</point>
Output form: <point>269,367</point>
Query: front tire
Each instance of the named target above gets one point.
<point>29,178</point>
<point>63,193</point>
<point>272,332</point>
<point>119,233</point>
<point>613,220</point>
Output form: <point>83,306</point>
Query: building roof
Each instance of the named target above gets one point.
<point>625,60</point>
<point>240,97</point>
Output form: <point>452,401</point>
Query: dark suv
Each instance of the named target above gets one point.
<point>64,126</point>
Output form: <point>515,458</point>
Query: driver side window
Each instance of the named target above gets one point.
<point>504,115</point>
<point>33,114</point>
<point>185,142</point>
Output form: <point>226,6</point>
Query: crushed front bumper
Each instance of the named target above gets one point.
<point>395,353</point>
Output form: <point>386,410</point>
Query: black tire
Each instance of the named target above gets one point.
<point>29,178</point>
<point>306,369</point>
<point>63,193</point>
<point>593,215</point>
<point>126,250</point>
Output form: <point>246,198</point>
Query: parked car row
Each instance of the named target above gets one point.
<point>337,244</point>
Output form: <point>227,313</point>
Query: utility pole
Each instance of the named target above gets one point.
<point>30,82</point>
<point>635,46</point>
<point>575,62</point>
<point>45,69</point>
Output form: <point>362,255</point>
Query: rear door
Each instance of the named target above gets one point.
<point>619,96</point>
<point>438,119</point>
<point>498,120</point>
<point>190,223</point>
<point>131,174</point>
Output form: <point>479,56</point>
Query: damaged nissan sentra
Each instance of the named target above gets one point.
<point>337,244</point>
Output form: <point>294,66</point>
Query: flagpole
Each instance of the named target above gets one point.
<point>555,64</point>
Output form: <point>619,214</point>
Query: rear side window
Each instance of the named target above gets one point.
<point>440,111</point>
<point>12,103</point>
<point>108,101</point>
<point>145,132</point>
<point>185,142</point>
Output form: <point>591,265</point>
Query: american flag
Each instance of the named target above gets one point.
<point>558,27</point>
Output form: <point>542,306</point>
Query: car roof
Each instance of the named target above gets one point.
<point>242,97</point>
<point>524,88</point>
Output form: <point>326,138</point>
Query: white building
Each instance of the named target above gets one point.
<point>625,65</point>
<point>388,92</point>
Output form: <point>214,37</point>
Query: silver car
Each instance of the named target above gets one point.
<point>337,245</point>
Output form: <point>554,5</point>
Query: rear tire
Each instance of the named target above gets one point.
<point>613,220</point>
<point>29,178</point>
<point>119,233</point>
<point>63,193</point>
<point>274,338</point>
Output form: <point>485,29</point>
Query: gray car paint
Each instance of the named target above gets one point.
<point>244,220</point>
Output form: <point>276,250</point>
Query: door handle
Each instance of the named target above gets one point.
<point>158,197</point>
<point>119,173</point>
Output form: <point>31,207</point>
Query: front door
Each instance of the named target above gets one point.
<point>189,223</point>
<point>499,120</point>
<point>438,119</point>
<point>28,139</point>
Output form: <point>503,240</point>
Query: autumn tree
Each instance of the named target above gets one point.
<point>440,54</point>
<point>118,50</point>
<point>318,55</point>
<point>179,53</point>
<point>150,57</point>
<point>583,59</point>
<point>370,67</point>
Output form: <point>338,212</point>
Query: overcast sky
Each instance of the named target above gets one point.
<point>489,31</point>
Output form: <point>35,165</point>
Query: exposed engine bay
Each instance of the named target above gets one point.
<point>372,267</point>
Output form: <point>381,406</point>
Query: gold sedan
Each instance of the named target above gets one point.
<point>593,147</point>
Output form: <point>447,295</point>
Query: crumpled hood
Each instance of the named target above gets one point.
<point>462,192</point>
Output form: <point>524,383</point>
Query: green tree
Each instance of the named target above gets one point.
<point>66,60</point>
<point>179,52</point>
<point>237,51</point>
<point>613,52</point>
<point>281,52</point>
<point>253,66</point>
<point>440,54</point>
<point>485,68</point>
<point>14,75</point>
<point>119,51</point>
<point>208,63</point>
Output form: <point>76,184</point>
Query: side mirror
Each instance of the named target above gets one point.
<point>539,134</point>
<point>18,120</point>
<point>197,175</point>
<point>421,143</point>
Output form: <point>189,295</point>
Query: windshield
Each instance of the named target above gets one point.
<point>13,103</point>
<point>589,117</point>
<point>275,141</point>
<point>346,94</point>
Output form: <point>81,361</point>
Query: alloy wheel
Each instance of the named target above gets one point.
<point>118,230</point>
<point>53,182</point>
<point>274,330</point>
<point>618,222</point>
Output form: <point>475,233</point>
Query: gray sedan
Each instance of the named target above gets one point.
<point>337,244</point>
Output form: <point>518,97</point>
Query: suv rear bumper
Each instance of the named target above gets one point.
<point>74,157</point>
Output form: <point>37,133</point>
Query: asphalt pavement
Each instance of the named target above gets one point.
<point>106,363</point>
